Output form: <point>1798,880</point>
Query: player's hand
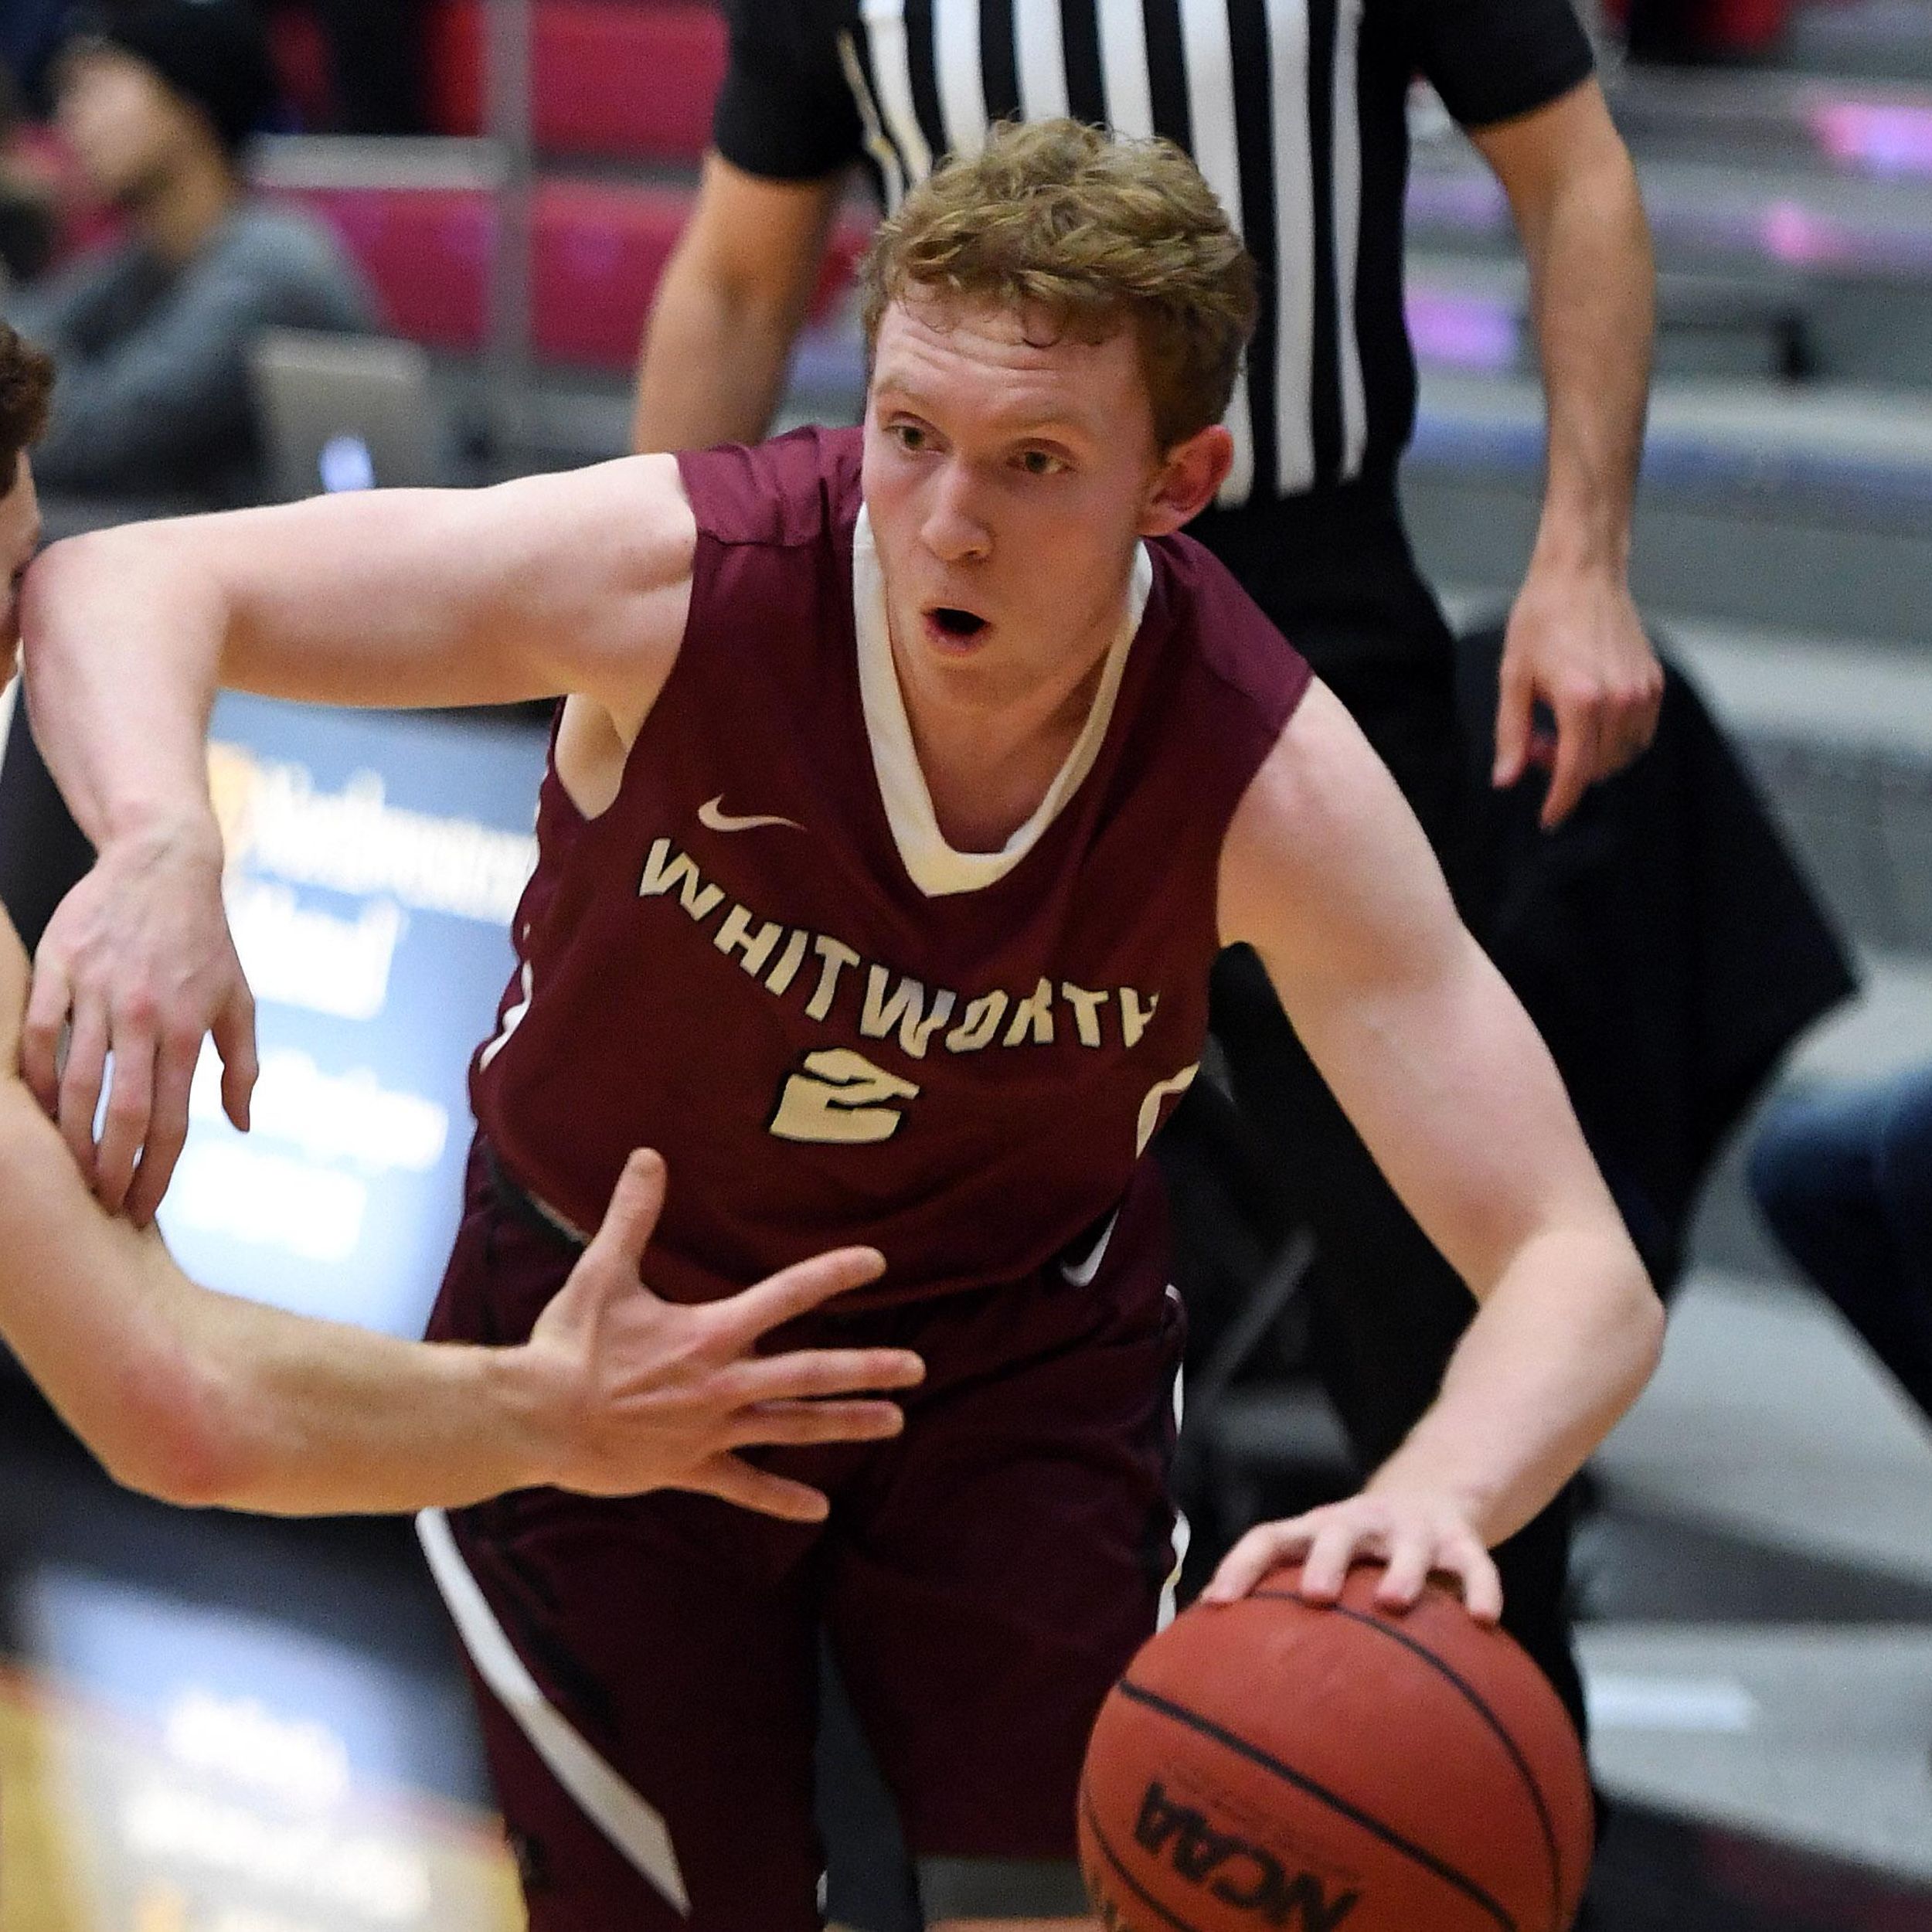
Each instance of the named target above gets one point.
<point>649,1394</point>
<point>1575,645</point>
<point>1414,1534</point>
<point>138,961</point>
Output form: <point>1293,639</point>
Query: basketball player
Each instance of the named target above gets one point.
<point>909,780</point>
<point>201,1399</point>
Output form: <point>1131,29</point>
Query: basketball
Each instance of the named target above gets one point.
<point>1270,1763</point>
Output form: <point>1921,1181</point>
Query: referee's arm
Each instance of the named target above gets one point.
<point>732,300</point>
<point>1518,76</point>
<point>1575,640</point>
<point>718,343</point>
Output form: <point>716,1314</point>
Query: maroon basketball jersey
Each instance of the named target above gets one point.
<point>763,960</point>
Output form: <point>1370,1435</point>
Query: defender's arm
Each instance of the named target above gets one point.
<point>202,1398</point>
<point>1325,872</point>
<point>575,583</point>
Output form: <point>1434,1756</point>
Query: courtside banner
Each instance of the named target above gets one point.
<point>374,863</point>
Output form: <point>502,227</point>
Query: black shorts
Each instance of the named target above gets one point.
<point>984,1580</point>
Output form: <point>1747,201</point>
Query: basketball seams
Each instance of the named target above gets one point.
<point>1480,1704</point>
<point>1232,1741</point>
<point>1125,1877</point>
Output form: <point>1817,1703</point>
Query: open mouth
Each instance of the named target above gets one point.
<point>955,623</point>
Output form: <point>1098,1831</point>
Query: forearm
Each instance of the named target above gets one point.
<point>714,362</point>
<point>1593,294</point>
<point>122,654</point>
<point>1560,1348</point>
<point>204,1399</point>
<point>317,1418</point>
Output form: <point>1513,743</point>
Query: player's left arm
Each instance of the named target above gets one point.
<point>1575,642</point>
<point>1326,874</point>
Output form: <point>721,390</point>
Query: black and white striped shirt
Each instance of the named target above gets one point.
<point>1295,110</point>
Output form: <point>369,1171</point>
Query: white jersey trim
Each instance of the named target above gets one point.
<point>933,865</point>
<point>630,1825</point>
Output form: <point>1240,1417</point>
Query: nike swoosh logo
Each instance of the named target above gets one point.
<point>713,814</point>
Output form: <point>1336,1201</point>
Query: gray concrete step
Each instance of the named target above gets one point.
<point>1806,510</point>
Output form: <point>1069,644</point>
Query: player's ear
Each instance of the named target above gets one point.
<point>1185,485</point>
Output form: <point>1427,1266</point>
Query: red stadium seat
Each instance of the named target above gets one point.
<point>609,78</point>
<point>596,251</point>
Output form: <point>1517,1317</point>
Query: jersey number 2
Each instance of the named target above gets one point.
<point>840,1097</point>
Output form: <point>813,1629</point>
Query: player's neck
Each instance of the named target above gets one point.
<point>988,756</point>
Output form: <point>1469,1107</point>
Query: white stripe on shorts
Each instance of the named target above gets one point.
<point>1183,1529</point>
<point>609,1804</point>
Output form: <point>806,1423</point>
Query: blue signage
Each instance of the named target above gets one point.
<point>374,862</point>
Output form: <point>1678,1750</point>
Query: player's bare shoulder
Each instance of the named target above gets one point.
<point>622,537</point>
<point>1323,860</point>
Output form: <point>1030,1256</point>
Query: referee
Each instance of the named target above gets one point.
<point>1295,112</point>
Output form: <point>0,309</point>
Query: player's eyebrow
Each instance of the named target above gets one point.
<point>1041,429</point>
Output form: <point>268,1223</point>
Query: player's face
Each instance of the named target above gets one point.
<point>19,538</point>
<point>1008,475</point>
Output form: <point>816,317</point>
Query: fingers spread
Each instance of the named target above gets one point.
<point>791,1423</point>
<point>1259,1551</point>
<point>1411,1558</point>
<point>1482,1581</point>
<point>795,1292</point>
<point>631,1218</point>
<point>734,1481</point>
<point>806,1372</point>
<point>1325,1568</point>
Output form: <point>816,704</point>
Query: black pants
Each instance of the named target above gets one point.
<point>1336,576</point>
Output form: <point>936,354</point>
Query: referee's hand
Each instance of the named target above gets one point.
<point>1576,646</point>
<point>641,1393</point>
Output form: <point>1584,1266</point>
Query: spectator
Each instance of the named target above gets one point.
<point>152,334</point>
<point>1845,1179</point>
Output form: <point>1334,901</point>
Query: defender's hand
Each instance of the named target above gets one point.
<point>1413,1534</point>
<point>649,1394</point>
<point>138,961</point>
<point>1576,644</point>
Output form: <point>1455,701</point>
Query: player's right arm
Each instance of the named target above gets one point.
<point>1325,872</point>
<point>577,582</point>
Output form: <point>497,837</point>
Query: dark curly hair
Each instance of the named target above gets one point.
<point>26,391</point>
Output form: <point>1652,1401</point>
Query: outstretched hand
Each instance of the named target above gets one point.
<point>656,1394</point>
<point>137,962</point>
<point>1413,1535</point>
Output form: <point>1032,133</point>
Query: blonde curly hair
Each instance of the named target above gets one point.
<point>1091,232</point>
